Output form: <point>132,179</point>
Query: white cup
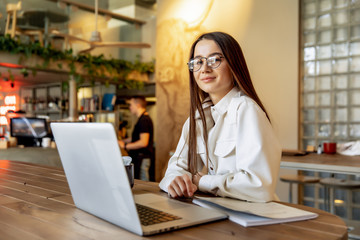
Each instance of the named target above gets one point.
<point>127,160</point>
<point>45,142</point>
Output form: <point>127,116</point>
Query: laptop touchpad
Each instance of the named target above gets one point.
<point>167,205</point>
<point>159,202</point>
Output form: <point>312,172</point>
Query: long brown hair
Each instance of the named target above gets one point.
<point>241,79</point>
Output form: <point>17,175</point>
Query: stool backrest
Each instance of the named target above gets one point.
<point>11,10</point>
<point>10,7</point>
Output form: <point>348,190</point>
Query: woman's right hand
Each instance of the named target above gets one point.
<point>182,186</point>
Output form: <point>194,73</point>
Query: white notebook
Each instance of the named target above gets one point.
<point>254,214</point>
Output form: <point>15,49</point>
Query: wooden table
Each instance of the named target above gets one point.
<point>36,203</point>
<point>43,17</point>
<point>334,163</point>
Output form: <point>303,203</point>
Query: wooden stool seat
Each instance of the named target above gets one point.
<point>31,32</point>
<point>298,179</point>
<point>340,183</point>
<point>330,184</point>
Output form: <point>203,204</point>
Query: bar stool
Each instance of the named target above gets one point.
<point>11,10</point>
<point>298,179</point>
<point>329,186</point>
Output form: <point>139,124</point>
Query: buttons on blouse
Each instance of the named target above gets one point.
<point>211,169</point>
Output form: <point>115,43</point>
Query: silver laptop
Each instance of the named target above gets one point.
<point>99,184</point>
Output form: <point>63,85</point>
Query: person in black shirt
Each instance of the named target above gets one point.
<point>140,145</point>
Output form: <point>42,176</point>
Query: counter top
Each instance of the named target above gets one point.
<point>38,155</point>
<point>334,163</point>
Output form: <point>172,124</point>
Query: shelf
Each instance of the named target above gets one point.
<point>87,112</point>
<point>96,112</point>
<point>40,97</point>
<point>47,111</point>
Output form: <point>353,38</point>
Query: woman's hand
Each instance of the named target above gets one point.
<point>182,186</point>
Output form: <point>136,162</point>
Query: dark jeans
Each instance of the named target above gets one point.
<point>137,160</point>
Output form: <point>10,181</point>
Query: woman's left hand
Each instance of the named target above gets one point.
<point>196,178</point>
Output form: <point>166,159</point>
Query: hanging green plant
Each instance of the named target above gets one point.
<point>65,86</point>
<point>82,67</point>
<point>24,72</point>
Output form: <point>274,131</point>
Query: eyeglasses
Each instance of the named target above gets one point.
<point>212,62</point>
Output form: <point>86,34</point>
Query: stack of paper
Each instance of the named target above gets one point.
<point>254,214</point>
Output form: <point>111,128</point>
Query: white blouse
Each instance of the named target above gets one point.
<point>244,153</point>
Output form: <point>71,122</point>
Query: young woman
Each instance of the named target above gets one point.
<point>227,146</point>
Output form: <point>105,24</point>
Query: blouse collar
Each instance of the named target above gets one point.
<point>222,106</point>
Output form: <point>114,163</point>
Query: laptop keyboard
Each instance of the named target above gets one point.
<point>149,216</point>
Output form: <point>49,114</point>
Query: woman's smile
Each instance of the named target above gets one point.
<point>207,79</point>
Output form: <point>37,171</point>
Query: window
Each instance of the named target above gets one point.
<point>330,84</point>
